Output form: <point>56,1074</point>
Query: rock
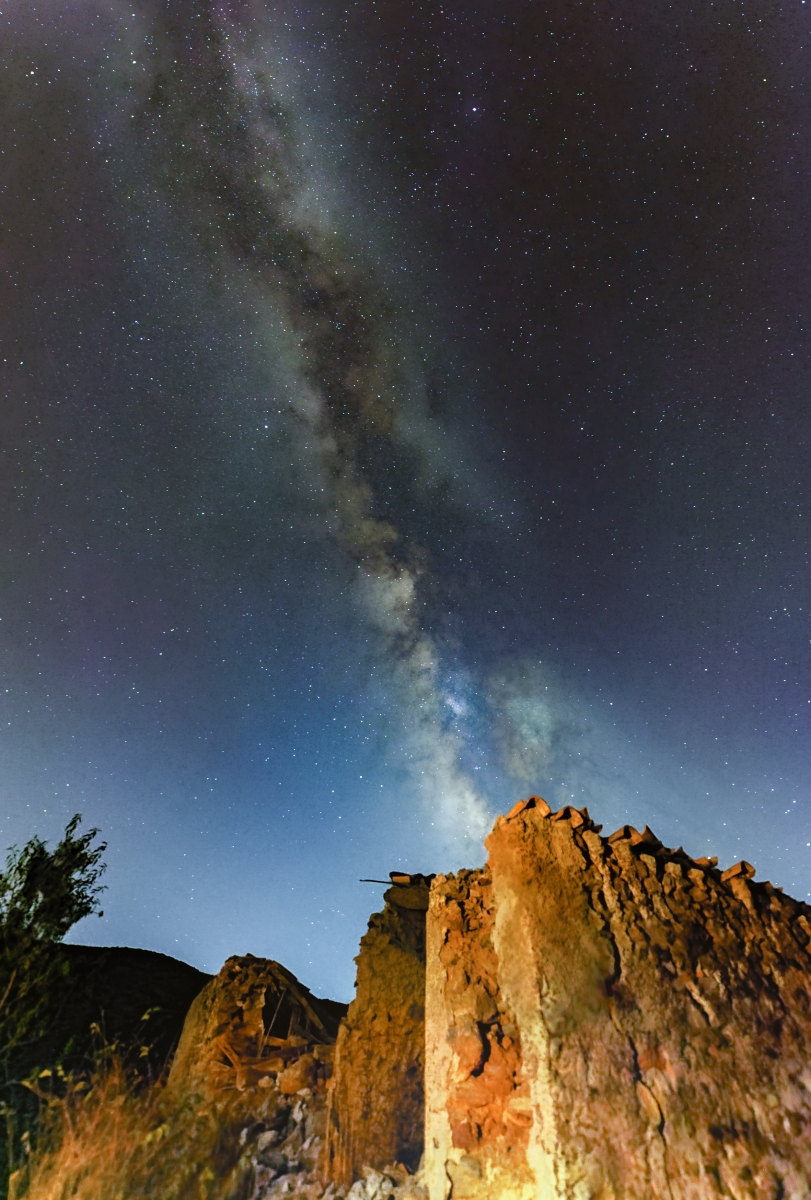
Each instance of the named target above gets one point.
<point>374,1186</point>
<point>742,870</point>
<point>415,898</point>
<point>569,814</point>
<point>533,802</point>
<point>274,1160</point>
<point>379,1186</point>
<point>646,838</point>
<point>300,1074</point>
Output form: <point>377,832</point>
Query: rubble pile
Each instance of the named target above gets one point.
<point>254,1025</point>
<point>258,1046</point>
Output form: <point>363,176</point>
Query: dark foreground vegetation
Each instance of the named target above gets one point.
<point>68,1011</point>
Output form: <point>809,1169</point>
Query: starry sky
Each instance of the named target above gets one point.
<point>405,410</point>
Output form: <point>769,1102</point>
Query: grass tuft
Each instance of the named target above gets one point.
<point>115,1137</point>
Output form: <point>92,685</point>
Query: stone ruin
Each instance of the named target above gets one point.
<point>583,1017</point>
<point>376,1099</point>
<point>254,1025</point>
<point>257,1050</point>
<point>604,1019</point>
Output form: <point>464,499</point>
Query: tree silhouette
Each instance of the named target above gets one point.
<point>43,893</point>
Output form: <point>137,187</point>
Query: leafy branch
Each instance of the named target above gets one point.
<point>43,893</point>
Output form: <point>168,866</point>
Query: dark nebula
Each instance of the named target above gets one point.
<point>405,409</point>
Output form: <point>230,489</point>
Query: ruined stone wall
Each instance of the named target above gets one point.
<point>607,1018</point>
<point>252,1064</point>
<point>375,1101</point>
<point>584,1018</point>
<point>477,1114</point>
<point>253,1025</point>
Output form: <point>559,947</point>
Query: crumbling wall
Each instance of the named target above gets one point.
<point>642,1020</point>
<point>375,1099</point>
<point>242,1115</point>
<point>249,1027</point>
<point>477,1114</point>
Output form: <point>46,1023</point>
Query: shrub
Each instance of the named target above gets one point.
<point>43,893</point>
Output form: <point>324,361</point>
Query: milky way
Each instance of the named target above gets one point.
<point>405,410</point>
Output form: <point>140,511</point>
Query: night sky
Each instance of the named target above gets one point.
<point>405,409</point>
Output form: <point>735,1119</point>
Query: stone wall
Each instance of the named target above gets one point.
<point>251,1026</point>
<point>375,1100</point>
<point>607,1018</point>
<point>477,1101</point>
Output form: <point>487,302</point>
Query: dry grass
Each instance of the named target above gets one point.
<point>115,1138</point>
